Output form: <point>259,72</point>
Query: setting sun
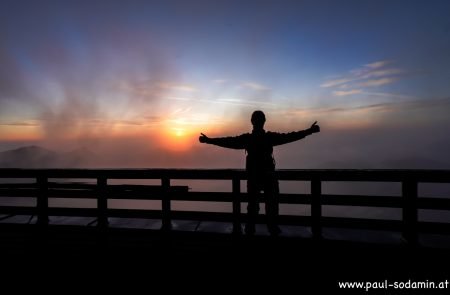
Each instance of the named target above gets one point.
<point>177,139</point>
<point>179,132</point>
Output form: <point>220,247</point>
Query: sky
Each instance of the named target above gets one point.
<point>137,81</point>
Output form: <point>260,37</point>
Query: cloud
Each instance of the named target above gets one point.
<point>220,81</point>
<point>374,74</point>
<point>131,122</point>
<point>180,111</point>
<point>389,95</point>
<point>247,102</point>
<point>346,93</point>
<point>418,104</point>
<point>332,83</point>
<point>255,86</point>
<point>378,64</point>
<point>179,87</point>
<point>26,123</point>
<point>381,73</point>
<point>377,82</point>
<point>79,71</point>
<point>227,101</point>
<point>154,119</point>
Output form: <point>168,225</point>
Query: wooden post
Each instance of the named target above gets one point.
<point>237,230</point>
<point>102,203</point>
<point>316,208</point>
<point>166,215</point>
<point>42,201</point>
<point>410,211</point>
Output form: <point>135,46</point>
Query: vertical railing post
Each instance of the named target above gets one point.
<point>166,214</point>
<point>102,203</point>
<point>316,208</point>
<point>42,201</point>
<point>410,211</point>
<point>237,230</point>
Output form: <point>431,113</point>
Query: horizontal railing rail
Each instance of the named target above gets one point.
<point>44,184</point>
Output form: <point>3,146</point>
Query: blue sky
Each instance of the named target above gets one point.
<point>91,68</point>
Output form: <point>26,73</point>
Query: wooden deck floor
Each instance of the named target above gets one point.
<point>120,255</point>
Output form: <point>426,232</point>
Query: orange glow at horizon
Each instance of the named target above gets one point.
<point>20,133</point>
<point>176,139</point>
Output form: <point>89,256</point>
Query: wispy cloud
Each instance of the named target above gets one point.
<point>195,121</point>
<point>373,74</point>
<point>27,123</point>
<point>228,101</point>
<point>181,111</point>
<point>255,86</point>
<point>378,64</point>
<point>377,82</point>
<point>380,107</point>
<point>336,82</point>
<point>381,73</point>
<point>390,95</point>
<point>130,122</point>
<point>153,119</point>
<point>220,81</point>
<point>179,87</point>
<point>246,102</point>
<point>346,93</point>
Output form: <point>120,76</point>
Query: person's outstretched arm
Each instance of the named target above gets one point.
<point>232,142</point>
<point>283,138</point>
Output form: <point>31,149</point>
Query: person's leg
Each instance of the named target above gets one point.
<point>252,206</point>
<point>271,191</point>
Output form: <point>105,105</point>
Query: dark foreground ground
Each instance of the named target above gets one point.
<point>215,262</point>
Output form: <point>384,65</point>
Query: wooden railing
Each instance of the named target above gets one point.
<point>44,185</point>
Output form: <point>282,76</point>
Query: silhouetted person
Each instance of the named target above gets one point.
<point>260,166</point>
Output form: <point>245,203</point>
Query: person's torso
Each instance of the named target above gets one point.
<point>259,150</point>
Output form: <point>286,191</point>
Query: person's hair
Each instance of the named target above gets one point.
<point>258,118</point>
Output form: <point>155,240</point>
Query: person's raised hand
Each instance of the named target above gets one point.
<point>314,128</point>
<point>203,138</point>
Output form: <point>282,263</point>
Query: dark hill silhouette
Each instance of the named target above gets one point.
<point>28,157</point>
<point>39,157</point>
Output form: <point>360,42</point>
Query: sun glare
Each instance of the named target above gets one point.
<point>179,132</point>
<point>177,139</point>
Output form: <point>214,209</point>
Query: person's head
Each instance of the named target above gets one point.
<point>258,119</point>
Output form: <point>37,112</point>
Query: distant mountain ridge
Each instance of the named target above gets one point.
<point>38,157</point>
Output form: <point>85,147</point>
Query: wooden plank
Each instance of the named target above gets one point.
<point>72,194</point>
<point>410,211</point>
<point>433,203</point>
<point>293,174</point>
<point>295,199</point>
<point>25,193</point>
<point>18,210</point>
<point>203,196</point>
<point>102,203</point>
<point>236,187</point>
<point>42,201</point>
<point>18,185</point>
<point>364,201</point>
<point>316,208</point>
<point>165,204</point>
<point>434,227</point>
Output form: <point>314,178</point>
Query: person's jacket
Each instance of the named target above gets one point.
<point>259,146</point>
